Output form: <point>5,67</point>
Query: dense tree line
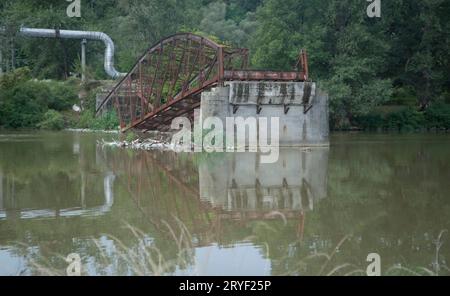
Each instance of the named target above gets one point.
<point>370,66</point>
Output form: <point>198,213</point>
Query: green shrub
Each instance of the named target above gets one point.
<point>24,102</point>
<point>108,121</point>
<point>371,121</point>
<point>407,119</point>
<point>91,99</point>
<point>24,105</point>
<point>438,116</point>
<point>130,136</point>
<point>86,119</point>
<point>62,95</point>
<point>405,96</point>
<point>10,80</point>
<point>53,120</point>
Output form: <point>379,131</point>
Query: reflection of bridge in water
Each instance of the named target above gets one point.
<point>204,191</point>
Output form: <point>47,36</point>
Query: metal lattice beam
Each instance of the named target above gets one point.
<point>168,79</point>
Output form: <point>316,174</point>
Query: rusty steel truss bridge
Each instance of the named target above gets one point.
<point>167,81</point>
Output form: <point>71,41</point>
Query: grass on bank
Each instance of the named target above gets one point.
<point>107,121</point>
<point>141,256</point>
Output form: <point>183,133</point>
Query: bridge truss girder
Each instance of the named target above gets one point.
<point>167,81</point>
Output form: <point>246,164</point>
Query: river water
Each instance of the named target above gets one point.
<point>314,212</point>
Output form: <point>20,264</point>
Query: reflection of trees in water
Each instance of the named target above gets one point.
<point>384,199</point>
<point>45,176</point>
<point>392,205</point>
<point>45,180</point>
<point>390,199</point>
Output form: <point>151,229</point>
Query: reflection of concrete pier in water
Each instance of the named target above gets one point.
<point>247,189</point>
<point>240,182</point>
<point>235,187</point>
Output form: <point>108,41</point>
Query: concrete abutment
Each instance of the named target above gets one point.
<point>301,108</point>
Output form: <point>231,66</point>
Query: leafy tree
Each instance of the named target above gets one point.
<point>401,58</point>
<point>215,22</point>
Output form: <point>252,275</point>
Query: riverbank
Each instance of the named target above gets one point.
<point>86,130</point>
<point>140,144</point>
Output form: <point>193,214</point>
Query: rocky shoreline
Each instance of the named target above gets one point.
<point>141,144</point>
<point>87,130</point>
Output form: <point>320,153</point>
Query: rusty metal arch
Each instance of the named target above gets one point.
<point>167,80</point>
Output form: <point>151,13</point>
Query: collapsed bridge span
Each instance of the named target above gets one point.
<point>177,74</point>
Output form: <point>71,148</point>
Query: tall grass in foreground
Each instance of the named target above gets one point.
<point>326,267</point>
<point>439,266</point>
<point>141,257</point>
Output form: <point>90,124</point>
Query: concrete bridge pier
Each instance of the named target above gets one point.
<point>301,108</point>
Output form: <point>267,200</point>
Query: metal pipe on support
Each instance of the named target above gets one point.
<point>83,60</point>
<point>1,61</point>
<point>1,50</point>
<point>1,189</point>
<point>83,35</point>
<point>88,35</point>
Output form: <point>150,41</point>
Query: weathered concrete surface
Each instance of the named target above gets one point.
<point>240,181</point>
<point>269,93</point>
<point>301,108</point>
<point>215,103</point>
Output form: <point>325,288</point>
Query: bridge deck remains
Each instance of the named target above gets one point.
<point>167,81</point>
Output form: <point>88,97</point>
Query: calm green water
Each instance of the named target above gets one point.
<point>313,212</point>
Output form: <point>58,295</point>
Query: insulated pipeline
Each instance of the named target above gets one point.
<point>89,35</point>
